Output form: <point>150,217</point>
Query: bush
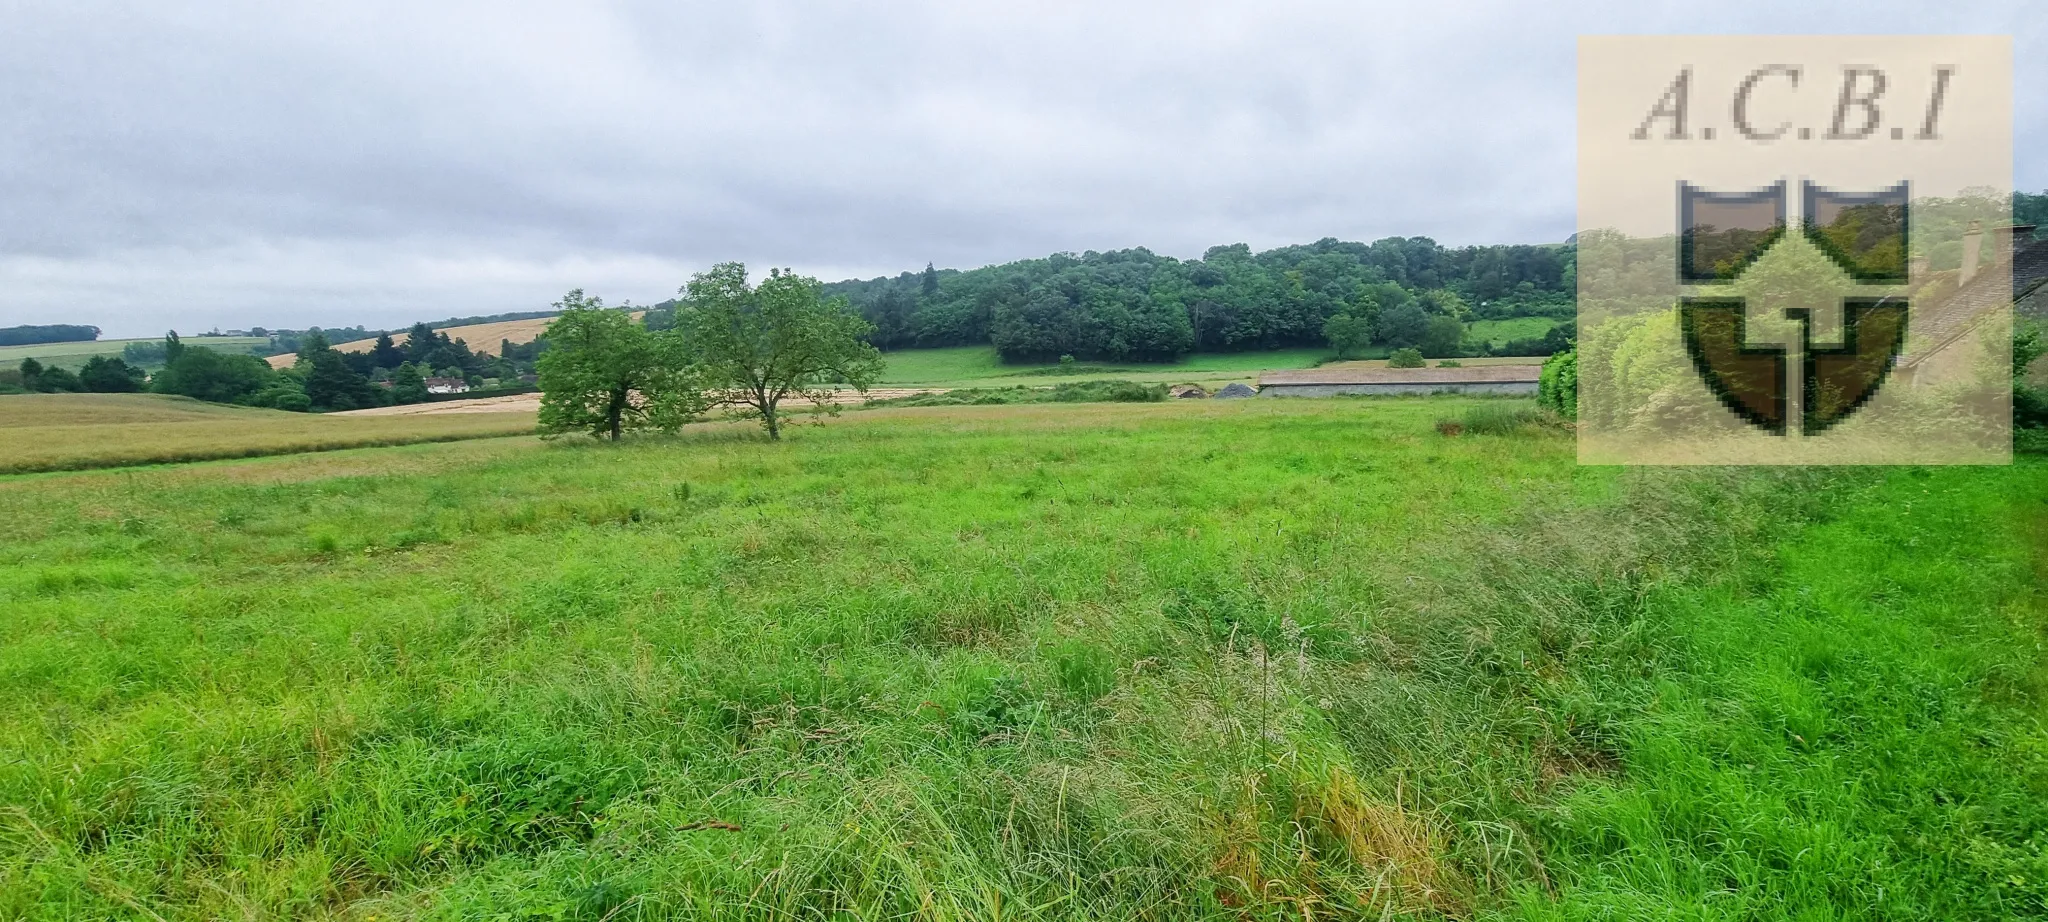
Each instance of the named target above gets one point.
<point>1557,387</point>
<point>1450,363</point>
<point>1499,419</point>
<point>1406,358</point>
<point>1108,392</point>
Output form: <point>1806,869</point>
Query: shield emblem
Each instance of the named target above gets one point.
<point>1748,380</point>
<point>1842,379</point>
<point>1721,233</point>
<point>1863,232</point>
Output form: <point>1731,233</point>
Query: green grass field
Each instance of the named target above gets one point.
<point>74,355</point>
<point>979,366</point>
<point>1227,660</point>
<point>50,432</point>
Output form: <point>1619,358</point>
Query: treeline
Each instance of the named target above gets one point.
<point>33,335</point>
<point>1138,305</point>
<point>321,378</point>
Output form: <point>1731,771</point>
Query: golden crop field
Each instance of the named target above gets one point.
<point>51,432</point>
<point>483,338</point>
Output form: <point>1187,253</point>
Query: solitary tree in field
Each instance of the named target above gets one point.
<point>762,345</point>
<point>604,374</point>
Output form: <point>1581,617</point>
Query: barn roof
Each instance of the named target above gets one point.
<point>1942,324</point>
<point>1475,374</point>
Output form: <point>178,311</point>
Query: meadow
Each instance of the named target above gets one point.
<point>49,432</point>
<point>74,355</point>
<point>1186,660</point>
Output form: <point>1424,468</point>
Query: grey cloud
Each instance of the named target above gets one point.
<point>248,163</point>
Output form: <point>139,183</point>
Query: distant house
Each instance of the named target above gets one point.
<point>447,386</point>
<point>1335,381</point>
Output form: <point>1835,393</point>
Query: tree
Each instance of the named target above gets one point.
<point>1347,333</point>
<point>330,383</point>
<point>929,286</point>
<point>31,374</point>
<point>103,375</point>
<point>783,339</point>
<point>56,380</point>
<point>205,374</point>
<point>604,374</point>
<point>386,354</point>
<point>1441,337</point>
<point>408,385</point>
<point>1405,358</point>
<point>1557,386</point>
<point>1403,325</point>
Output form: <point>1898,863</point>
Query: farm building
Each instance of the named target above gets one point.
<point>447,386</point>
<point>1946,342</point>
<point>1332,382</point>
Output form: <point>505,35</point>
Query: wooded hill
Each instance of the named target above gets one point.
<point>1138,305</point>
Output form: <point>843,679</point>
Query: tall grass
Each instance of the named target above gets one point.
<point>1215,659</point>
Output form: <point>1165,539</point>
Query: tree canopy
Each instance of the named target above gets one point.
<point>605,374</point>
<point>783,339</point>
<point>33,335</point>
<point>1139,306</point>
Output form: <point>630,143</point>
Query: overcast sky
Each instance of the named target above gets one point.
<point>227,164</point>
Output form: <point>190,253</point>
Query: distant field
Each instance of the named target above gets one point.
<point>46,432</point>
<point>74,355</point>
<point>979,366</point>
<point>482,338</point>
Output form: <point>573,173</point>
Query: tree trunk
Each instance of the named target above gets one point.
<point>617,410</point>
<point>774,425</point>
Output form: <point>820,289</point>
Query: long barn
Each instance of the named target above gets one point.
<point>1332,382</point>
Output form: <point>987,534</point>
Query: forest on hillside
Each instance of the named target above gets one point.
<point>1140,306</point>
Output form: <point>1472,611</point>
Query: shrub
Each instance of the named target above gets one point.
<point>1406,358</point>
<point>1108,392</point>
<point>1557,387</point>
<point>1450,363</point>
<point>1499,419</point>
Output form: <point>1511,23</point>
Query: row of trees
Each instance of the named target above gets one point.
<point>1138,305</point>
<point>37,334</point>
<point>101,375</point>
<point>321,378</point>
<point>726,343</point>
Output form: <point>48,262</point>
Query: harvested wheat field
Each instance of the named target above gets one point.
<point>56,432</point>
<point>482,338</point>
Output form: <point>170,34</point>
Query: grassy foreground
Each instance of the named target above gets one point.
<point>1204,659</point>
<point>56,432</point>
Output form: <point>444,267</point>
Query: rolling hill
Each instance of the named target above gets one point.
<point>483,338</point>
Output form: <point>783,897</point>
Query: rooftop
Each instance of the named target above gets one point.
<point>1475,374</point>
